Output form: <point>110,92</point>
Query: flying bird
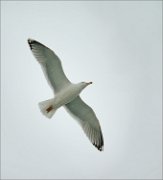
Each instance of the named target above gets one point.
<point>66,94</point>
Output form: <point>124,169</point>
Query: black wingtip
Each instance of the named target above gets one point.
<point>30,42</point>
<point>100,148</point>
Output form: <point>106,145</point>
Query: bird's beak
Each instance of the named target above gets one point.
<point>88,83</point>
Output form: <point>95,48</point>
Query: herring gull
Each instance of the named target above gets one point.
<point>66,94</point>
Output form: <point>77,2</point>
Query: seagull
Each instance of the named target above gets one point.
<point>66,94</point>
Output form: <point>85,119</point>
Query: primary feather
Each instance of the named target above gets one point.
<point>50,64</point>
<point>88,121</point>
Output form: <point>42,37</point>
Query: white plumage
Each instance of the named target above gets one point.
<point>66,94</point>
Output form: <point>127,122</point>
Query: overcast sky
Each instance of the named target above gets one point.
<point>117,45</point>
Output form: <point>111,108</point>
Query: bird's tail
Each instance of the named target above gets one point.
<point>47,108</point>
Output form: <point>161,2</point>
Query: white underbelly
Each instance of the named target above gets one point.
<point>65,96</point>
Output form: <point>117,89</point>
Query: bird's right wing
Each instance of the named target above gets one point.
<point>50,64</point>
<point>88,120</point>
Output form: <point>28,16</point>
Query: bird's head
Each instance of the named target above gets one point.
<point>85,84</point>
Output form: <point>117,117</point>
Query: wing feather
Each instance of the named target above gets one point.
<point>88,121</point>
<point>51,65</point>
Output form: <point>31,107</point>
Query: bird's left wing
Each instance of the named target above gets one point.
<point>50,64</point>
<point>88,120</point>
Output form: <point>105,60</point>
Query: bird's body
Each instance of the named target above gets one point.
<point>66,94</point>
<point>61,98</point>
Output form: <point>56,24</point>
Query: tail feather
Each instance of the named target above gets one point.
<point>47,108</point>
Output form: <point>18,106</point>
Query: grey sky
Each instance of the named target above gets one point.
<point>117,45</point>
